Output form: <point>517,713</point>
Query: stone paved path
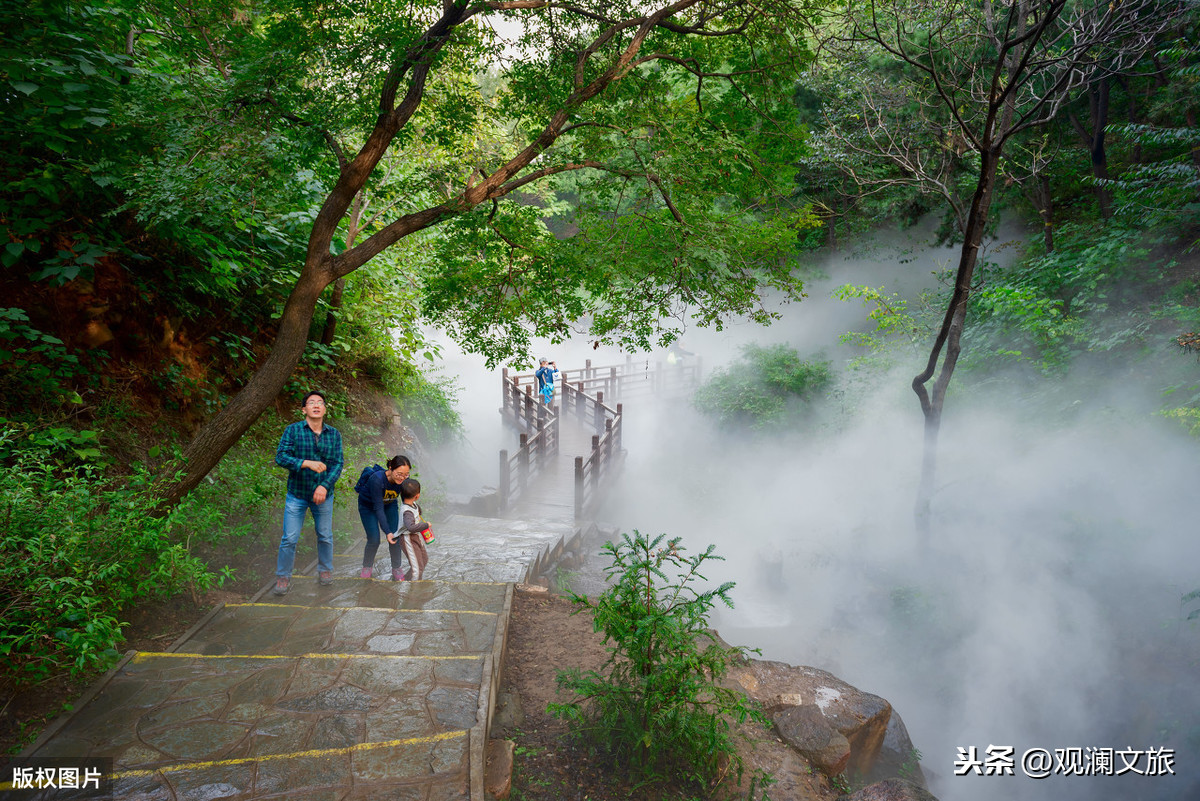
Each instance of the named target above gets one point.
<point>365,689</point>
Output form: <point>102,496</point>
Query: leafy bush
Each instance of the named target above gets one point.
<point>73,555</point>
<point>35,366</point>
<point>767,388</point>
<point>658,708</point>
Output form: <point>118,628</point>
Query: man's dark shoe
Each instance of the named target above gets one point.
<point>281,586</point>
<point>325,578</point>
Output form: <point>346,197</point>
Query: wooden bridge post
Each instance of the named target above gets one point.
<point>587,369</point>
<point>579,401</point>
<point>578,487</point>
<point>620,426</point>
<point>540,450</point>
<point>505,479</point>
<point>523,463</point>
<point>611,388</point>
<point>598,409</point>
<point>528,413</point>
<point>596,463</point>
<point>608,444</point>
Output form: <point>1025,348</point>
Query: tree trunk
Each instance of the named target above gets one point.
<point>1093,140</point>
<point>224,429</point>
<point>335,306</point>
<point>1099,98</point>
<point>353,226</point>
<point>949,337</point>
<point>1045,203</point>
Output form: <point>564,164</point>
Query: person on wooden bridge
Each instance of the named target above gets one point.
<point>547,375</point>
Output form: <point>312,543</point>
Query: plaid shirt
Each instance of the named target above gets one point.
<point>299,443</point>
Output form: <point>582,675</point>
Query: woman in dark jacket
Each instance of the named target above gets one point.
<point>379,508</point>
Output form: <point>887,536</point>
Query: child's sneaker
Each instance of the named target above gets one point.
<point>364,573</point>
<point>397,575</point>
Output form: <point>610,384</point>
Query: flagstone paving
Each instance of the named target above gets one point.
<point>471,548</point>
<point>364,689</point>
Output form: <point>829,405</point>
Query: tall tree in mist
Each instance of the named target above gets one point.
<point>646,97</point>
<point>966,78</point>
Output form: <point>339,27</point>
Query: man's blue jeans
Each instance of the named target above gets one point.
<point>293,521</point>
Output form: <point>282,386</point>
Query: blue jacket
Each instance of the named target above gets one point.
<point>379,492</point>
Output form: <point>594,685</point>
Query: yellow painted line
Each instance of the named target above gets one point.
<point>371,609</point>
<point>220,763</point>
<point>144,655</point>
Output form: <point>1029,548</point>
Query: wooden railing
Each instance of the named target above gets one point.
<point>536,454</point>
<point>583,393</point>
<point>521,405</point>
<point>605,455</point>
<point>635,378</point>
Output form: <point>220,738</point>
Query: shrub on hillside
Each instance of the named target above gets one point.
<point>73,555</point>
<point>768,387</point>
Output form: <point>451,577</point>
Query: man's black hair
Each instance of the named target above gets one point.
<point>316,392</point>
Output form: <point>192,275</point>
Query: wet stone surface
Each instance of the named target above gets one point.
<point>484,596</point>
<point>364,689</point>
<point>296,631</point>
<point>471,548</point>
<point>299,708</point>
<point>426,771</point>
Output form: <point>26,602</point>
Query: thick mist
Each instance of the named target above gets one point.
<point>1044,611</point>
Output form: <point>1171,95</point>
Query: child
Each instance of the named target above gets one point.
<point>410,532</point>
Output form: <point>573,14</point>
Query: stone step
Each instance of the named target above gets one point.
<point>166,712</point>
<point>434,768</point>
<point>274,628</point>
<point>362,689</point>
<point>480,549</point>
<point>456,596</point>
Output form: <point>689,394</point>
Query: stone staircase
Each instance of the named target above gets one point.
<point>365,689</point>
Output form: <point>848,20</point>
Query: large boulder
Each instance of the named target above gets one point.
<point>898,758</point>
<point>791,776</point>
<point>859,717</point>
<point>806,729</point>
<point>892,790</point>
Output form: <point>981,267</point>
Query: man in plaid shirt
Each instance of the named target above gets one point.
<point>312,454</point>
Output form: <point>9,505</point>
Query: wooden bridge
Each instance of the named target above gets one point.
<point>571,448</point>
